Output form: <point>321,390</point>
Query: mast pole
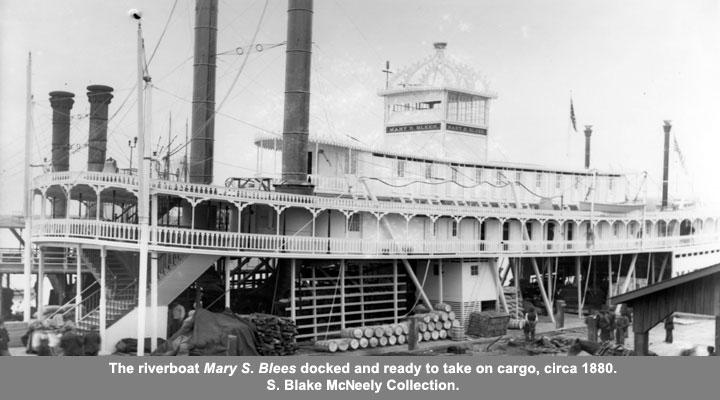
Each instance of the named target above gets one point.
<point>142,198</point>
<point>27,208</point>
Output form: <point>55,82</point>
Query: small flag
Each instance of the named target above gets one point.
<point>572,115</point>
<point>679,153</point>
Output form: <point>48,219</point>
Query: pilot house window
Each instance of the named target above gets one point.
<point>466,108</point>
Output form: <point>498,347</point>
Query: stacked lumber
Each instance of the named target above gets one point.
<point>488,323</point>
<point>275,335</point>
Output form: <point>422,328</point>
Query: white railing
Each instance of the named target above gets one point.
<point>238,195</point>
<point>233,242</point>
<point>89,229</point>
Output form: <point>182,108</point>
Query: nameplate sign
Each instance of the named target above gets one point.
<point>466,129</point>
<point>412,128</point>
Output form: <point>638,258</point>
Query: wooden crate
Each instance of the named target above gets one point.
<point>488,323</point>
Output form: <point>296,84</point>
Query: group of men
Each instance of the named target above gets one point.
<point>609,325</point>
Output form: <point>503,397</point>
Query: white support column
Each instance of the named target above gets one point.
<point>97,206</point>
<point>342,296</point>
<point>440,280</point>
<point>78,285</point>
<point>153,299</point>
<point>395,291</point>
<point>40,285</point>
<point>292,289</point>
<point>610,285</point>
<point>103,297</point>
<point>227,282</point>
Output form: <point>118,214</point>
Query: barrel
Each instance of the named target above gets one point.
<point>342,344</point>
<point>405,327</point>
<point>431,326</point>
<point>354,344</point>
<point>515,323</point>
<point>443,316</point>
<point>451,315</point>
<point>392,340</point>
<point>455,322</point>
<point>378,331</point>
<point>389,331</point>
<point>373,341</point>
<point>326,345</point>
<point>363,342</point>
<point>443,307</point>
<point>457,333</point>
<point>427,336</point>
<point>401,339</point>
<point>383,340</point>
<point>397,329</point>
<point>368,332</point>
<point>422,326</point>
<point>424,317</point>
<point>435,335</point>
<point>443,334</point>
<point>435,316</point>
<point>447,325</point>
<point>356,333</point>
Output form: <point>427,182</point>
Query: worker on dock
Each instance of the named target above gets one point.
<point>531,318</point>
<point>4,339</point>
<point>621,325</point>
<point>591,322</point>
<point>606,324</point>
<point>669,326</point>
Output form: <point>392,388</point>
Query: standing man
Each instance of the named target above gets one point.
<point>621,325</point>
<point>4,339</point>
<point>669,326</point>
<point>531,318</point>
<point>591,322</point>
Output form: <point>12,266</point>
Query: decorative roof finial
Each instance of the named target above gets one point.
<point>440,46</point>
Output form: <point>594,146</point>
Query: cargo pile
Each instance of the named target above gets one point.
<point>488,323</point>
<point>438,324</point>
<point>275,335</point>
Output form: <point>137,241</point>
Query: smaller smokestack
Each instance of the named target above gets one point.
<point>61,103</point>
<point>667,125</point>
<point>99,97</point>
<point>588,133</point>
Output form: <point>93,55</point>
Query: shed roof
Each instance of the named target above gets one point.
<point>629,297</point>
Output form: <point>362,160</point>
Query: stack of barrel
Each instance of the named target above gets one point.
<point>438,324</point>
<point>366,336</point>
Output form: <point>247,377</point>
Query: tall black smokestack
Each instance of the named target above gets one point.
<point>99,97</point>
<point>297,98</point>
<point>588,133</point>
<point>666,163</point>
<point>203,105</point>
<point>61,103</point>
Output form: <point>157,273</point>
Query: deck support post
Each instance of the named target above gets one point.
<point>440,280</point>
<point>411,274</point>
<point>226,265</point>
<point>40,285</point>
<point>292,288</point>
<point>516,281</point>
<point>78,285</point>
<point>659,277</point>
<point>548,306</point>
<point>342,295</point>
<point>153,300</point>
<point>610,285</point>
<point>498,285</point>
<point>641,343</point>
<point>717,335</point>
<point>395,291</point>
<point>103,297</point>
<point>578,282</point>
<point>631,271</point>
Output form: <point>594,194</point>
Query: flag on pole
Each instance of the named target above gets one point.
<point>679,153</point>
<point>572,115</point>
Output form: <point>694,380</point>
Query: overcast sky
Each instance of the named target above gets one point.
<point>628,64</point>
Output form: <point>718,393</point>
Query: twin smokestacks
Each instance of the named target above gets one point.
<point>61,102</point>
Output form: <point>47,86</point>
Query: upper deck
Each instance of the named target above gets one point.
<point>256,222</point>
